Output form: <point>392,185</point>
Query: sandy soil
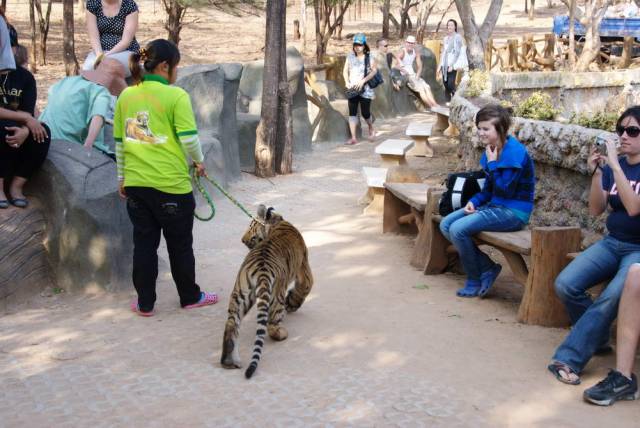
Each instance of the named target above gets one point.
<point>376,344</point>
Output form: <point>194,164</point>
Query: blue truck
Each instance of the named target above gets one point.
<point>614,28</point>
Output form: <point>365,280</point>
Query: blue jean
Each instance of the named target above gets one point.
<point>591,320</point>
<point>459,228</point>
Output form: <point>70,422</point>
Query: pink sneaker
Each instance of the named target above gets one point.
<point>205,300</point>
<point>135,308</point>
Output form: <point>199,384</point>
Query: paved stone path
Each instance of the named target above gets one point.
<point>376,344</point>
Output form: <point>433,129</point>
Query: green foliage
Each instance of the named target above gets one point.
<point>604,120</point>
<point>478,83</point>
<point>538,106</point>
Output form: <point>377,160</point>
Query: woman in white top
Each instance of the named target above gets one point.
<point>358,91</point>
<point>452,49</point>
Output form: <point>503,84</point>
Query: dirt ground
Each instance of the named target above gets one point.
<point>377,343</point>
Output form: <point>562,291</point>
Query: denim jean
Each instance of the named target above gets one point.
<point>459,228</point>
<point>591,320</point>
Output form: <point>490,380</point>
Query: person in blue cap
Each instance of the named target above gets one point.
<point>359,68</point>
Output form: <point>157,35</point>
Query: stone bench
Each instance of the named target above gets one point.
<point>375,178</point>
<point>393,152</point>
<point>420,133</point>
<point>442,124</point>
<point>545,247</point>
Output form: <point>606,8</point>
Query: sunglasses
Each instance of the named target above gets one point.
<point>632,131</point>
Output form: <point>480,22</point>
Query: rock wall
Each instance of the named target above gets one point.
<point>88,234</point>
<point>213,89</point>
<point>250,99</point>
<point>560,154</point>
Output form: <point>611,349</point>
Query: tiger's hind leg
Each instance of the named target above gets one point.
<point>239,304</point>
<point>302,287</point>
<point>276,314</point>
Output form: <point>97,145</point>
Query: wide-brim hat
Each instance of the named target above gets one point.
<point>410,39</point>
<point>108,73</point>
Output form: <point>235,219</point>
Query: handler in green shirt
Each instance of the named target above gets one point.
<point>154,129</point>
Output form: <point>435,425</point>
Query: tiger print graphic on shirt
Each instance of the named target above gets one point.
<point>278,256</point>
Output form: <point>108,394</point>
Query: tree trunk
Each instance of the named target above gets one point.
<point>284,138</point>
<point>424,12</point>
<point>324,27</point>
<point>267,132</point>
<point>476,37</point>
<point>443,15</point>
<point>68,39</point>
<point>594,12</point>
<point>175,14</point>
<point>43,23</point>
<point>385,18</point>
<point>533,3</point>
<point>34,34</point>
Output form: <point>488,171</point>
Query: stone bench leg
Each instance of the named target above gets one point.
<point>451,131</point>
<point>376,206</point>
<point>394,209</point>
<point>442,123</point>
<point>549,249</point>
<point>393,160</point>
<point>422,147</point>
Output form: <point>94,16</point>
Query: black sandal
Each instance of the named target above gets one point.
<point>556,367</point>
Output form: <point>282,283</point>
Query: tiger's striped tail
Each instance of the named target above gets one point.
<point>263,293</point>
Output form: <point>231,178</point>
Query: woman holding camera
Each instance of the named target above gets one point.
<point>615,184</point>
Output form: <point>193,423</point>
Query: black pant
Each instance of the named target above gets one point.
<point>450,84</point>
<point>152,211</point>
<point>25,160</point>
<point>365,107</point>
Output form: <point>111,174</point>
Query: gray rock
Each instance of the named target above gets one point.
<point>247,125</point>
<point>250,95</point>
<point>213,90</point>
<point>88,230</point>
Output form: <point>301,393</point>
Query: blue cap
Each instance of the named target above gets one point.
<point>359,39</point>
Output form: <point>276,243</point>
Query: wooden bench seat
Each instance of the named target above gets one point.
<point>443,125</point>
<point>420,133</point>
<point>375,178</point>
<point>393,151</point>
<point>545,247</point>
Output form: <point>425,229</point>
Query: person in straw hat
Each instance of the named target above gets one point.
<point>408,55</point>
<point>79,105</point>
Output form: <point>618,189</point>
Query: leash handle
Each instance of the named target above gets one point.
<point>207,196</point>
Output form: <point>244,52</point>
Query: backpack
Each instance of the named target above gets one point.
<point>377,79</point>
<point>461,186</point>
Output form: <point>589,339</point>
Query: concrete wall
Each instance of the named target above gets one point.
<point>572,92</point>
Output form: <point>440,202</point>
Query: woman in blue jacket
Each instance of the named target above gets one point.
<point>504,204</point>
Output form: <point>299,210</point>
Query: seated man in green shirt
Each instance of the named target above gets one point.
<point>78,105</point>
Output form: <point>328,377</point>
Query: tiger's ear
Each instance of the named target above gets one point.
<point>269,212</point>
<point>262,211</point>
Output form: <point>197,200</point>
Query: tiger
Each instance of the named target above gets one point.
<point>277,256</point>
<point>138,128</point>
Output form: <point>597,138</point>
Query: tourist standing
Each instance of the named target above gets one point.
<point>359,68</point>
<point>451,52</point>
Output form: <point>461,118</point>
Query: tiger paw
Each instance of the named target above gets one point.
<point>277,333</point>
<point>229,363</point>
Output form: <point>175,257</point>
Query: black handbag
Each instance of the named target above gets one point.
<point>377,79</point>
<point>461,186</point>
